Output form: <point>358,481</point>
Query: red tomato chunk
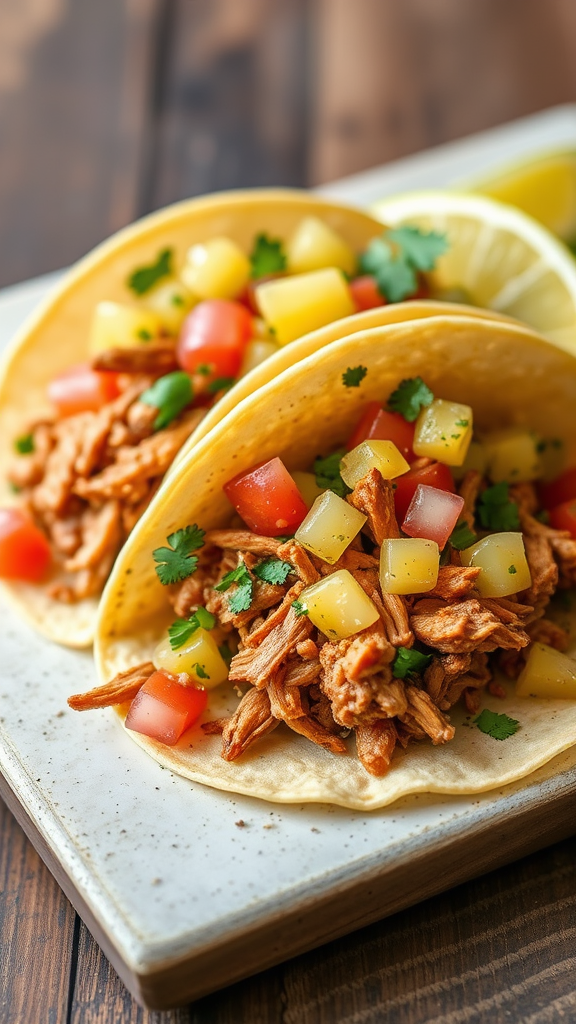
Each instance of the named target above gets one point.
<point>560,490</point>
<point>563,517</point>
<point>24,550</point>
<point>366,294</point>
<point>214,335</point>
<point>432,514</point>
<point>434,475</point>
<point>377,424</point>
<point>82,389</point>
<point>267,499</point>
<point>164,709</point>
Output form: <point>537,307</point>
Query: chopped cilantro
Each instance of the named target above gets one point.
<point>499,727</point>
<point>462,423</point>
<point>267,256</point>
<point>409,662</point>
<point>182,629</point>
<point>410,396</point>
<point>241,599</point>
<point>299,608</point>
<point>143,279</point>
<point>395,258</point>
<point>512,570</point>
<point>462,536</point>
<point>353,375</point>
<point>225,653</point>
<point>200,671</point>
<point>273,570</point>
<point>170,395</point>
<point>143,334</point>
<point>496,510</point>
<point>220,384</point>
<point>176,563</point>
<point>327,473</point>
<point>24,445</point>
<point>420,248</point>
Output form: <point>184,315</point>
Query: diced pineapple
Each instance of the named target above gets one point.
<point>547,673</point>
<point>314,245</point>
<point>199,657</point>
<point>444,432</point>
<point>408,565</point>
<point>172,301</point>
<point>306,484</point>
<point>293,306</point>
<point>256,352</point>
<point>329,527</point>
<point>502,558</point>
<point>476,458</point>
<point>338,606</point>
<point>115,325</point>
<point>381,455</point>
<point>512,456</point>
<point>217,269</point>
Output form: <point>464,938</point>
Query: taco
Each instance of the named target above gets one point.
<point>114,374</point>
<point>362,666</point>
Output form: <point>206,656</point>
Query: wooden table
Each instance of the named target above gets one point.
<point>109,109</point>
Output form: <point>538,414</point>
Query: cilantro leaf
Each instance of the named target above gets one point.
<point>299,608</point>
<point>409,662</point>
<point>462,536</point>
<point>512,570</point>
<point>200,671</point>
<point>220,384</point>
<point>225,653</point>
<point>273,570</point>
<point>419,248</point>
<point>396,280</point>
<point>267,256</point>
<point>176,563</point>
<point>327,473</point>
<point>24,445</point>
<point>143,279</point>
<point>170,395</point>
<point>499,727</point>
<point>410,396</point>
<point>182,629</point>
<point>353,375</point>
<point>241,599</point>
<point>496,510</point>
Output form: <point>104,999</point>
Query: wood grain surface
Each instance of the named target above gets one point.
<point>109,108</point>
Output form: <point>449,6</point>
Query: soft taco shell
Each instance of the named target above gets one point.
<point>510,376</point>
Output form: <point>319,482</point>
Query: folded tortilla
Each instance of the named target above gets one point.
<point>510,376</point>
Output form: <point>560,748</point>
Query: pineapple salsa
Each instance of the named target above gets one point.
<point>412,559</point>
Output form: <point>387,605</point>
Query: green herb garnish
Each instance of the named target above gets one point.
<point>273,570</point>
<point>397,256</point>
<point>409,662</point>
<point>225,653</point>
<point>220,384</point>
<point>299,608</point>
<point>241,599</point>
<point>182,629</point>
<point>462,536</point>
<point>410,396</point>
<point>200,672</point>
<point>496,510</point>
<point>170,395</point>
<point>267,256</point>
<point>143,279</point>
<point>327,473</point>
<point>499,727</point>
<point>420,248</point>
<point>143,334</point>
<point>512,570</point>
<point>176,562</point>
<point>24,445</point>
<point>352,377</point>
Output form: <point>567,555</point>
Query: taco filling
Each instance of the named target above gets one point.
<point>85,473</point>
<point>370,594</point>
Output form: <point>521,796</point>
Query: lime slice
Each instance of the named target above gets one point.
<point>545,188</point>
<point>498,256</point>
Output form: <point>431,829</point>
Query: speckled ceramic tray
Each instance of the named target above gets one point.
<point>188,889</point>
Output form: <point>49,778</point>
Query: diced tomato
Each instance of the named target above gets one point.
<point>434,475</point>
<point>82,389</point>
<point>24,550</point>
<point>377,424</point>
<point>268,499</point>
<point>214,336</point>
<point>563,517</point>
<point>560,490</point>
<point>366,294</point>
<point>432,514</point>
<point>164,709</point>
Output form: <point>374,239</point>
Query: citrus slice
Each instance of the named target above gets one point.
<point>545,188</point>
<point>498,257</point>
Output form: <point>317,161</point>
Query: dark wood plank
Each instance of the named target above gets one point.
<point>393,78</point>
<point>36,928</point>
<point>230,99</point>
<point>73,106</point>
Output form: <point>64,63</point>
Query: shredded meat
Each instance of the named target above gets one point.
<point>257,664</point>
<point>543,571</point>
<point>251,720</point>
<point>375,745</point>
<point>302,673</point>
<point>544,631</point>
<point>101,537</point>
<point>123,687</point>
<point>393,611</point>
<point>294,553</point>
<point>454,582</point>
<point>275,619</point>
<point>312,729</point>
<point>374,497</point>
<point>243,540</point>
<point>469,490</point>
<point>285,700</point>
<point>463,626</point>
<point>427,716</point>
<point>156,359</point>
